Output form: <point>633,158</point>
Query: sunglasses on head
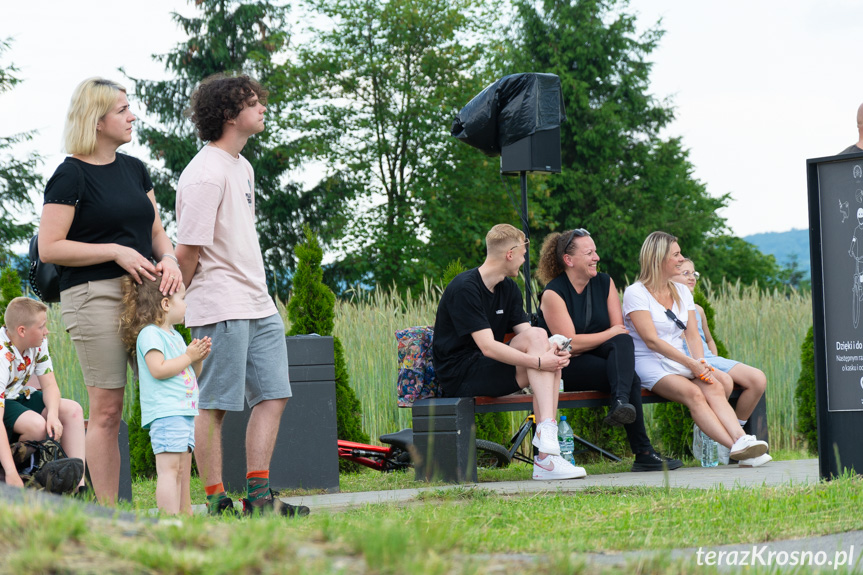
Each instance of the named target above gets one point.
<point>670,315</point>
<point>526,242</point>
<point>577,232</point>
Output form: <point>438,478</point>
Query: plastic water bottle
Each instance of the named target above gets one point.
<point>709,451</point>
<point>566,438</point>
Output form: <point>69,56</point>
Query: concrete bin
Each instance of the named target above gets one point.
<point>306,453</point>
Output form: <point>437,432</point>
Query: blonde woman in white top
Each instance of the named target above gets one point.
<point>659,313</point>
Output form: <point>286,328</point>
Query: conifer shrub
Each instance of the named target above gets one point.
<point>311,310</point>
<point>142,460</point>
<point>804,395</point>
<point>10,288</point>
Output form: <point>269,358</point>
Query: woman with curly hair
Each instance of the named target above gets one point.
<point>100,222</point>
<point>659,314</point>
<point>168,372</point>
<point>581,303</point>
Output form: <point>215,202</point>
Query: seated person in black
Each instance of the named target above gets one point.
<point>583,304</point>
<point>477,309</point>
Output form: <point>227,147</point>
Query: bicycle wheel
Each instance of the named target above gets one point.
<point>491,454</point>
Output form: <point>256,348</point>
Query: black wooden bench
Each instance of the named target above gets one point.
<point>445,434</point>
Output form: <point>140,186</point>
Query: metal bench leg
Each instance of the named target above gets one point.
<point>596,448</point>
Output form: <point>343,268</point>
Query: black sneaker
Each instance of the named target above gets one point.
<point>225,506</point>
<point>273,505</point>
<point>83,493</point>
<point>620,414</point>
<point>60,476</point>
<point>653,461</point>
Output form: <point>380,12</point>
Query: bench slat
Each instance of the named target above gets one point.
<point>564,396</point>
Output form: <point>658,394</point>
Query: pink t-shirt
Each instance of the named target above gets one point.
<point>216,211</point>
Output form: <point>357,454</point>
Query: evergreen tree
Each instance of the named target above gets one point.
<point>804,395</point>
<point>18,177</point>
<point>237,36</point>
<point>311,310</point>
<point>142,460</point>
<point>621,180</point>
<point>10,288</point>
<point>380,88</point>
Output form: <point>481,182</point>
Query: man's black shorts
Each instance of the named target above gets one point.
<point>485,376</point>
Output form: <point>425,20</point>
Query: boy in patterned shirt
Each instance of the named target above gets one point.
<point>31,407</point>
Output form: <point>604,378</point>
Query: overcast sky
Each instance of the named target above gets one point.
<point>758,86</point>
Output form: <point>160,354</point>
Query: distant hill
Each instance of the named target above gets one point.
<point>783,245</point>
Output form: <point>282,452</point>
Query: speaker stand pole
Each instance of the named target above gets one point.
<point>524,223</point>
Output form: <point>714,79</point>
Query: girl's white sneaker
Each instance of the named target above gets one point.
<point>756,461</point>
<point>748,447</point>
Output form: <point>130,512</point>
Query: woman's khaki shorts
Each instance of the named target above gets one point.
<point>91,313</point>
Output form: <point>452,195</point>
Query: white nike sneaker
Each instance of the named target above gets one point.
<point>755,461</point>
<point>545,438</point>
<point>556,467</point>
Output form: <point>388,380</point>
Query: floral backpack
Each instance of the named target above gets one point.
<point>416,379</point>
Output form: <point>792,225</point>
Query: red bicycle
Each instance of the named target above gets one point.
<point>397,456</point>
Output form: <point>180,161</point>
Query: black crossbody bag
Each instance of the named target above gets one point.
<point>45,278</point>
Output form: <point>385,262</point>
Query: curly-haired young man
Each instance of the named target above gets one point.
<point>227,298</point>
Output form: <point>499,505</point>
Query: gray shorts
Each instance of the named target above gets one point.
<point>249,359</point>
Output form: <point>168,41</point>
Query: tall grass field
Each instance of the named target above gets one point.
<point>761,329</point>
<point>766,330</point>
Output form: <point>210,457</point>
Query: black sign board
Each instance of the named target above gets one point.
<point>836,244</point>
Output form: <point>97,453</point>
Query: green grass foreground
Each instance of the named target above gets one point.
<point>458,531</point>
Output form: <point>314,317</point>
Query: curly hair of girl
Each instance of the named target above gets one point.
<point>142,305</point>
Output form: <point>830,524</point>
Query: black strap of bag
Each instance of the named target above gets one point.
<point>45,278</point>
<point>588,307</point>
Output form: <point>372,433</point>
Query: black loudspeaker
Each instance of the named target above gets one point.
<point>539,152</point>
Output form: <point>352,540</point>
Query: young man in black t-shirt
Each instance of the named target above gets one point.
<point>477,309</point>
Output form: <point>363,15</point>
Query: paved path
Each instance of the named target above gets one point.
<point>795,472</point>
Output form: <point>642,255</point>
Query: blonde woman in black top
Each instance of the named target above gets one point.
<point>100,222</point>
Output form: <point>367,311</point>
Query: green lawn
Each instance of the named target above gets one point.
<point>443,532</point>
